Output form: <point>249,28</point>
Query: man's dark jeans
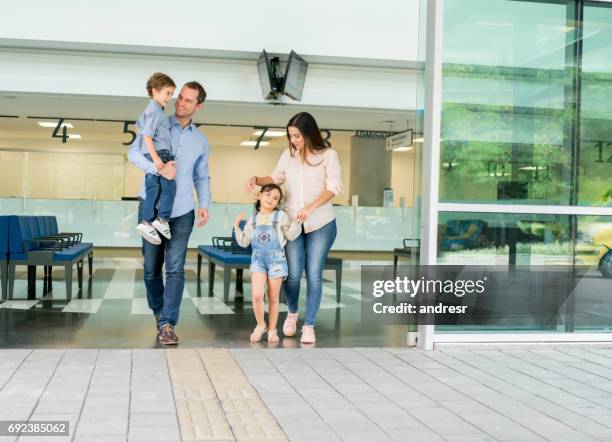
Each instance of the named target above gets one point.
<point>166,301</point>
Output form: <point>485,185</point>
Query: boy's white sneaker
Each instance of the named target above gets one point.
<point>147,231</point>
<point>162,226</point>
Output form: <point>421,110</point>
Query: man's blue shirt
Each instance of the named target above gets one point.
<point>191,152</point>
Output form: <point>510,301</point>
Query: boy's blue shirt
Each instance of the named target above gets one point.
<point>153,123</point>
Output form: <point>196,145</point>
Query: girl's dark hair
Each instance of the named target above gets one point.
<point>313,140</point>
<point>268,188</point>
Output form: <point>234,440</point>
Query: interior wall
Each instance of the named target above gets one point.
<point>41,169</point>
<point>231,166</point>
<point>402,177</point>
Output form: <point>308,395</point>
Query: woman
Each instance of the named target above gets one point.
<point>312,176</point>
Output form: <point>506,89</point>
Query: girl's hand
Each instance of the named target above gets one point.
<point>250,184</point>
<point>239,218</point>
<point>303,214</point>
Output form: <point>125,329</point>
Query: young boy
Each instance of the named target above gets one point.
<point>154,131</point>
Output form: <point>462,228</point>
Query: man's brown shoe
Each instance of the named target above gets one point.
<point>167,335</point>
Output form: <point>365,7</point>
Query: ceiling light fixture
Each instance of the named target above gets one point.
<point>270,133</point>
<point>402,149</point>
<point>74,136</point>
<point>54,125</point>
<point>254,143</point>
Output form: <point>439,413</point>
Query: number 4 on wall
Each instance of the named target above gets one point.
<point>64,135</point>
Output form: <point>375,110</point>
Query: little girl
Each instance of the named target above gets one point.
<point>267,231</point>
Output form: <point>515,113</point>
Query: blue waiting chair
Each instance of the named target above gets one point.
<point>47,228</point>
<point>26,246</point>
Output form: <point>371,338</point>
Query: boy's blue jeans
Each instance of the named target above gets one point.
<point>166,300</point>
<point>158,188</point>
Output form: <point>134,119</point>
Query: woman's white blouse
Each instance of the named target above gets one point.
<point>304,183</point>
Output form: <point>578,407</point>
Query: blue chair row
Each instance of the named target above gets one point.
<point>34,241</point>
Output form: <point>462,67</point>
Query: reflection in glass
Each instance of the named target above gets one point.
<point>517,240</point>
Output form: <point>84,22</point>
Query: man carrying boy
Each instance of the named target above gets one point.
<point>189,169</point>
<point>154,133</point>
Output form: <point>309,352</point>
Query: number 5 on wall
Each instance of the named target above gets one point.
<point>126,130</point>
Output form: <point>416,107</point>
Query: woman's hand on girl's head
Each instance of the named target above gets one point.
<point>250,184</point>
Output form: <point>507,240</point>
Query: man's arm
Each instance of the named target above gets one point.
<point>201,181</point>
<point>138,159</point>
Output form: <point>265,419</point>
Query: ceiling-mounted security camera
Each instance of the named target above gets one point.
<point>274,83</point>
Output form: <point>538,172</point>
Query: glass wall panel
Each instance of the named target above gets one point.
<point>595,186</point>
<point>527,113</point>
<point>506,121</point>
<point>109,223</point>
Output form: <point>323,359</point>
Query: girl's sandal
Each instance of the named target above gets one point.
<point>273,336</point>
<point>258,333</point>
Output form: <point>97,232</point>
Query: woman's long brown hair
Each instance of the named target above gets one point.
<point>313,140</point>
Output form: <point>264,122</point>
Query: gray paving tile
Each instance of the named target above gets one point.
<point>153,420</point>
<point>8,412</point>
<point>310,433</point>
<point>332,416</point>
<point>102,427</point>
<point>149,434</point>
<point>397,419</point>
<point>92,413</point>
<point>298,410</point>
<point>46,438</point>
<point>91,438</point>
<point>400,435</point>
<point>59,407</point>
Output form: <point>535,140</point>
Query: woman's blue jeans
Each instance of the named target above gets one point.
<point>308,252</point>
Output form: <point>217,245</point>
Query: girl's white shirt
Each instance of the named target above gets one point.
<point>286,229</point>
